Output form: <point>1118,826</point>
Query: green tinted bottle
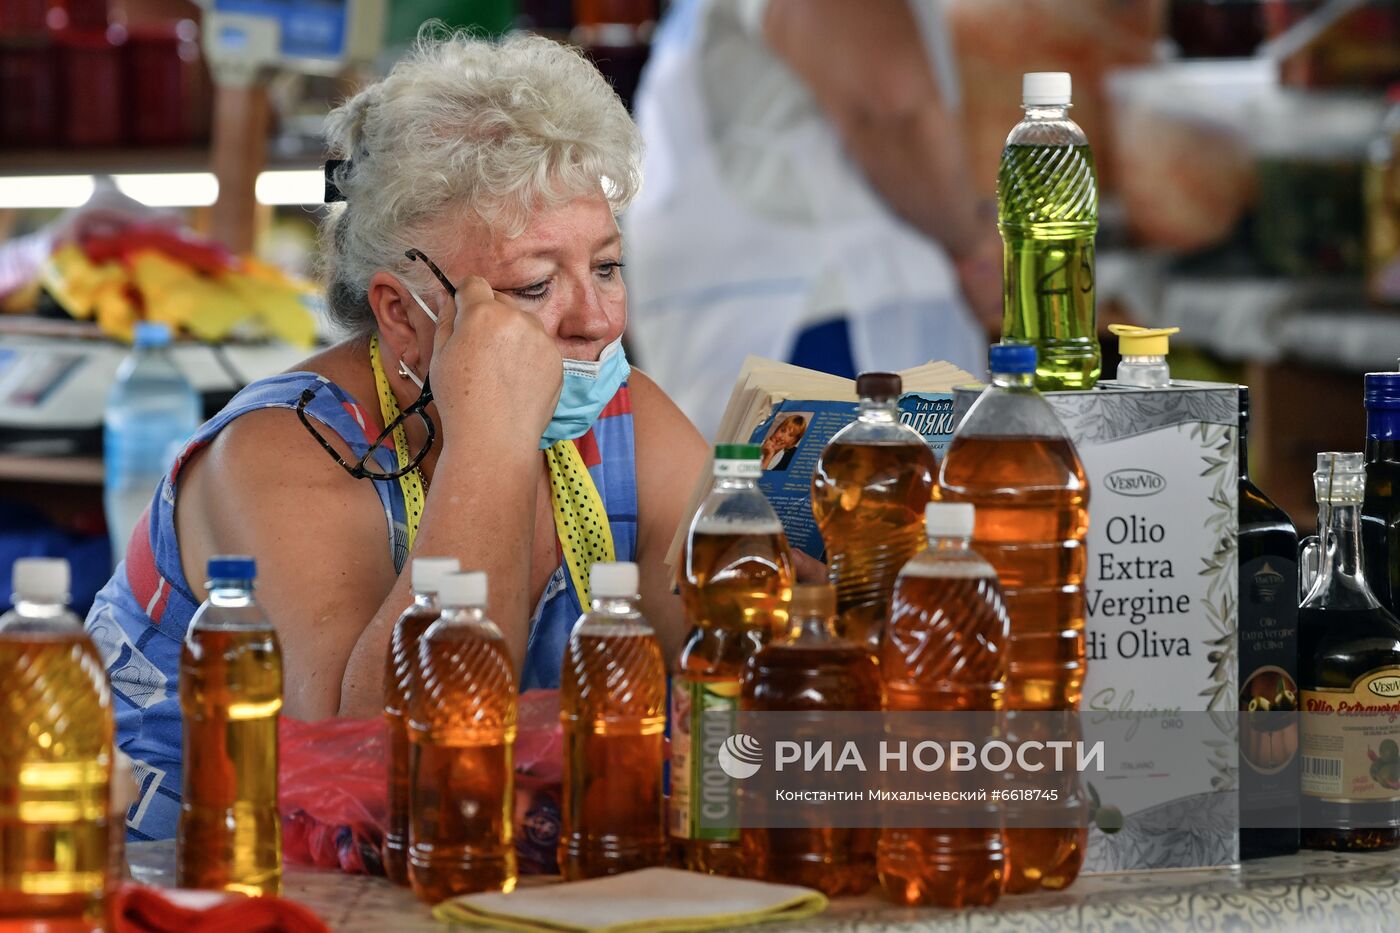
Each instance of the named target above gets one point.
<point>1048,213</point>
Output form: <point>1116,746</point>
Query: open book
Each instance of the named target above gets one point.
<point>792,412</point>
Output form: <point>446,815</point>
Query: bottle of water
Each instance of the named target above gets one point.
<point>151,410</point>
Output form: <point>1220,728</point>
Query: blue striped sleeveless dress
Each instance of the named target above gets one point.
<point>139,619</point>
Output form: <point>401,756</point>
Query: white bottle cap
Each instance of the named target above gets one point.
<point>462,590</point>
<point>949,519</point>
<point>1045,87</point>
<point>41,579</point>
<point>613,580</point>
<point>429,571</point>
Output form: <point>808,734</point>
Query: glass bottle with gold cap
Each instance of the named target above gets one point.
<point>1143,352</point>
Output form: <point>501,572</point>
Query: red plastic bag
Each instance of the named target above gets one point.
<point>333,793</point>
<point>334,789</point>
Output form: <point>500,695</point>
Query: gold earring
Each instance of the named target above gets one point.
<point>404,370</point>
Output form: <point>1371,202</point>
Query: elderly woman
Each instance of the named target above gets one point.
<point>476,261</point>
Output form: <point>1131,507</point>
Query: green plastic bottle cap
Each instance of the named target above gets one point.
<point>738,452</point>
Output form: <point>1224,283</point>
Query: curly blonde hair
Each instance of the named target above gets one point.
<point>495,129</point>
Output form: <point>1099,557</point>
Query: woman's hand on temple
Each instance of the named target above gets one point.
<point>493,361</point>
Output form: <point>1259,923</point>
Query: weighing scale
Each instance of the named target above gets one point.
<point>53,385</point>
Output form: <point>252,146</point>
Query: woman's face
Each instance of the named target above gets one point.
<point>565,269</point>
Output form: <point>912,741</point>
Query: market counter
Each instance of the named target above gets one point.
<point>1309,891</point>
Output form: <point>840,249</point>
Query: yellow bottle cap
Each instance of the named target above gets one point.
<point>1142,341</point>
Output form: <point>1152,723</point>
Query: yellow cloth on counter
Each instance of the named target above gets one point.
<point>664,900</point>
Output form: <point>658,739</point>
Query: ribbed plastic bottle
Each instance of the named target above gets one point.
<point>1013,461</point>
<point>812,670</point>
<point>869,490</point>
<point>945,651</point>
<point>400,679</point>
<point>230,834</point>
<point>735,583</point>
<point>612,695</point>
<point>462,726</point>
<point>56,731</point>
<point>1048,214</point>
<point>151,410</point>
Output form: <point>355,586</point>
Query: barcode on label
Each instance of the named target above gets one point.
<point>1322,767</point>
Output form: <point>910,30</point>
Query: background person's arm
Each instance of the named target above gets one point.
<point>866,66</point>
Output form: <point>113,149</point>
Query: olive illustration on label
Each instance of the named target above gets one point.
<point>1385,765</point>
<point>1107,817</point>
<point>1269,728</point>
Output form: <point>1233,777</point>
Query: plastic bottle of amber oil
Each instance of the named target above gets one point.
<point>462,725</point>
<point>612,697</point>
<point>230,834</point>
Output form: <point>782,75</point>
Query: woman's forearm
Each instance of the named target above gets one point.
<point>489,532</point>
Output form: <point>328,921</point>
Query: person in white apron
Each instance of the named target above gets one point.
<point>756,232</point>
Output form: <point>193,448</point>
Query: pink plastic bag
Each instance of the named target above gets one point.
<point>334,789</point>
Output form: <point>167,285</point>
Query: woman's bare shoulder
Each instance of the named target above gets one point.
<point>265,472</point>
<point>653,410</point>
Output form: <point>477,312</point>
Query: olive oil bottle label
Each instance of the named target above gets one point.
<point>704,800</point>
<point>1349,744</point>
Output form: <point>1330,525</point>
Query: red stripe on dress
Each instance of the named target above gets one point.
<point>621,404</point>
<point>145,580</point>
<point>588,449</point>
<point>184,456</point>
<point>358,414</point>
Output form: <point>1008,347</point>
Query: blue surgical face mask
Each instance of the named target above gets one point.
<point>588,387</point>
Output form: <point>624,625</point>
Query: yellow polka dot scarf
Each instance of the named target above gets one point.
<point>579,516</point>
<point>414,489</point>
<point>580,519</point>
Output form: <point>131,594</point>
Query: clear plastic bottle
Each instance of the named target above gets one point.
<point>1012,460</point>
<point>612,696</point>
<point>1348,660</point>
<point>56,728</point>
<point>735,582</point>
<point>400,679</point>
<point>1142,355</point>
<point>1048,214</point>
<point>813,670</point>
<point>461,767</point>
<point>151,411</point>
<point>230,833</point>
<point>868,495</point>
<point>944,651</point>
